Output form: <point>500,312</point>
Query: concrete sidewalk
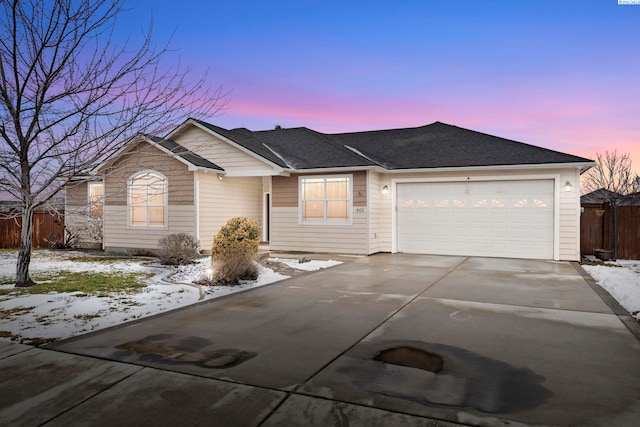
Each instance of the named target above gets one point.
<point>519,341</point>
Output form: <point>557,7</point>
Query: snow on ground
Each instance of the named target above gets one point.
<point>47,261</point>
<point>55,316</point>
<point>311,265</point>
<point>622,281</point>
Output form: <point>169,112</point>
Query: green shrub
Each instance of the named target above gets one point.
<point>238,238</point>
<point>233,250</point>
<point>178,249</point>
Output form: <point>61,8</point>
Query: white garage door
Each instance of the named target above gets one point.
<point>511,219</point>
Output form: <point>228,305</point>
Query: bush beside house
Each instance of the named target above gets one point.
<point>178,249</point>
<point>233,250</point>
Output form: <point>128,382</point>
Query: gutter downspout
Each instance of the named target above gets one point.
<point>196,200</point>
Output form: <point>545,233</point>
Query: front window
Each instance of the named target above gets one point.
<point>96,199</point>
<point>147,200</point>
<point>325,199</point>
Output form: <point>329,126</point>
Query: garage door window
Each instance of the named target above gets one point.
<point>486,203</point>
<point>325,200</point>
<point>530,203</point>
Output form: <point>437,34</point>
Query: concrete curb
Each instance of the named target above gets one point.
<point>625,317</point>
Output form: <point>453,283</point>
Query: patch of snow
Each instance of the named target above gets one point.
<point>192,272</point>
<point>312,265</point>
<point>265,277</point>
<point>622,281</point>
<point>44,261</point>
<point>64,315</point>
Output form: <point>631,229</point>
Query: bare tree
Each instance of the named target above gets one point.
<point>69,96</point>
<point>612,172</point>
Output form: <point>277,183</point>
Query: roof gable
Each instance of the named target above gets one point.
<point>192,160</point>
<point>241,139</point>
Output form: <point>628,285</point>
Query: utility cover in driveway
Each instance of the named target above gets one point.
<point>490,218</point>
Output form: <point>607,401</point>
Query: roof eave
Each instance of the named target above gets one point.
<point>194,168</point>
<point>541,166</point>
<point>340,169</point>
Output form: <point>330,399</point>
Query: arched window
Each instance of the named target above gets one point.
<point>147,199</point>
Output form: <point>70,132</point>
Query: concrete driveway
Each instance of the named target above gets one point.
<point>383,340</point>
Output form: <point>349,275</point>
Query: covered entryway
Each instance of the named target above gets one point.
<point>513,219</point>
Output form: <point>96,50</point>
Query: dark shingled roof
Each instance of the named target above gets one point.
<point>437,145</point>
<point>303,148</point>
<point>187,155</point>
<point>440,145</point>
<point>602,195</point>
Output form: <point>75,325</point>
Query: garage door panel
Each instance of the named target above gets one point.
<point>492,218</point>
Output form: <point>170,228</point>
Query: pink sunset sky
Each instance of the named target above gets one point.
<point>558,74</point>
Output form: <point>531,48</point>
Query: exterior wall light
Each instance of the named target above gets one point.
<point>385,189</point>
<point>567,186</point>
<point>219,177</point>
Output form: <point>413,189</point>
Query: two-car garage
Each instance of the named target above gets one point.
<point>501,218</point>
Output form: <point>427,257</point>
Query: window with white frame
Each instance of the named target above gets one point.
<point>325,199</point>
<point>147,199</point>
<point>96,199</point>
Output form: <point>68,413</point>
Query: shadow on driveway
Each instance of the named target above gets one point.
<point>517,341</point>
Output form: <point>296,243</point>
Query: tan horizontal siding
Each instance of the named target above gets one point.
<point>379,215</point>
<point>218,151</point>
<point>360,189</point>
<point>569,216</point>
<point>284,191</point>
<point>77,194</point>
<point>222,200</point>
<point>380,209</point>
<point>147,157</point>
<point>181,219</point>
<point>288,235</point>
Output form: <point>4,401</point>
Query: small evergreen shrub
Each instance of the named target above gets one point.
<point>178,249</point>
<point>238,238</point>
<point>233,250</point>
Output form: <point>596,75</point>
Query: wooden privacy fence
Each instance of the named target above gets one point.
<point>595,230</point>
<point>45,224</point>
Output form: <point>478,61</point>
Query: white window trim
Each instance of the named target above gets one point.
<point>90,200</point>
<point>166,202</point>
<point>301,220</point>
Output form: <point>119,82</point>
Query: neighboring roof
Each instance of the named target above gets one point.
<point>603,195</point>
<point>600,195</point>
